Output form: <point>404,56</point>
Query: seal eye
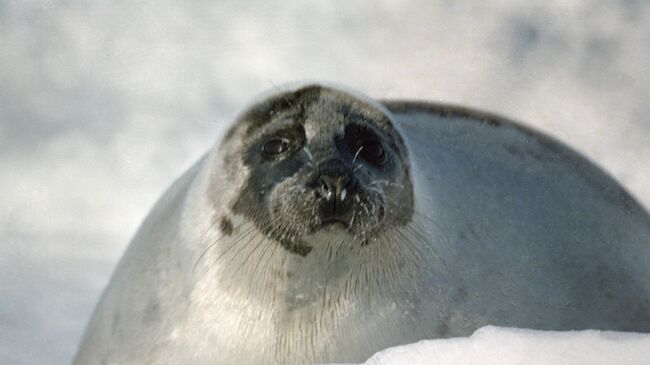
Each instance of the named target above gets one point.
<point>275,146</point>
<point>373,152</point>
<point>365,144</point>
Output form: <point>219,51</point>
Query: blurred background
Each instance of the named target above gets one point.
<point>104,103</point>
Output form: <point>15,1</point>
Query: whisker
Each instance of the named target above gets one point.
<point>387,183</point>
<point>428,242</point>
<point>233,244</point>
<point>216,241</point>
<point>357,154</point>
<point>311,158</point>
<point>250,253</point>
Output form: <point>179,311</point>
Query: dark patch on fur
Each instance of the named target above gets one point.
<point>299,247</point>
<point>152,312</point>
<point>115,322</point>
<point>225,225</point>
<point>264,112</point>
<point>282,274</point>
<point>460,295</point>
<point>229,134</point>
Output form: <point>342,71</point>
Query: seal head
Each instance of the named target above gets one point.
<point>318,160</point>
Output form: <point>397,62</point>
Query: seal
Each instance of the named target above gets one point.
<point>326,226</point>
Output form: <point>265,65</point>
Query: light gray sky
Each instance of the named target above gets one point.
<point>103,104</point>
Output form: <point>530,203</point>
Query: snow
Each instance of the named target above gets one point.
<point>103,103</point>
<point>510,346</point>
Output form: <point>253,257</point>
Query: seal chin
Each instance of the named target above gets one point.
<point>336,223</point>
<point>335,215</point>
<point>360,215</point>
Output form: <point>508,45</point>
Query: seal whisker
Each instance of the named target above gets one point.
<point>386,182</point>
<point>262,261</point>
<point>311,157</point>
<point>234,243</point>
<point>253,247</point>
<point>216,241</point>
<point>242,264</point>
<point>422,240</point>
<point>375,189</point>
<point>444,237</point>
<point>357,154</point>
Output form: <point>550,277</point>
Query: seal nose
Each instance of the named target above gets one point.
<point>335,186</point>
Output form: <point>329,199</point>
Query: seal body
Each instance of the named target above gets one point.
<point>327,226</point>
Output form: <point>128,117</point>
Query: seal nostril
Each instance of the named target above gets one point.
<point>335,186</point>
<point>328,184</point>
<point>335,182</point>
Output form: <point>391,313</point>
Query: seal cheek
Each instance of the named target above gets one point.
<point>291,209</point>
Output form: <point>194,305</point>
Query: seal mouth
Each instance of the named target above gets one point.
<point>335,222</point>
<point>335,213</point>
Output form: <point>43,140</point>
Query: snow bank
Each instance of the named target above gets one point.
<point>509,346</point>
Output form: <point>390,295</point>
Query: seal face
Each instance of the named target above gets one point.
<point>318,160</point>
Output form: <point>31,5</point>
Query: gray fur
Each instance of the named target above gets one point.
<point>484,222</point>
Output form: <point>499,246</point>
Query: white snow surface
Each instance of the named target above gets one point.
<point>104,103</point>
<point>509,346</point>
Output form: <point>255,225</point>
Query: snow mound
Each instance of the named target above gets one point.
<point>510,346</point>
